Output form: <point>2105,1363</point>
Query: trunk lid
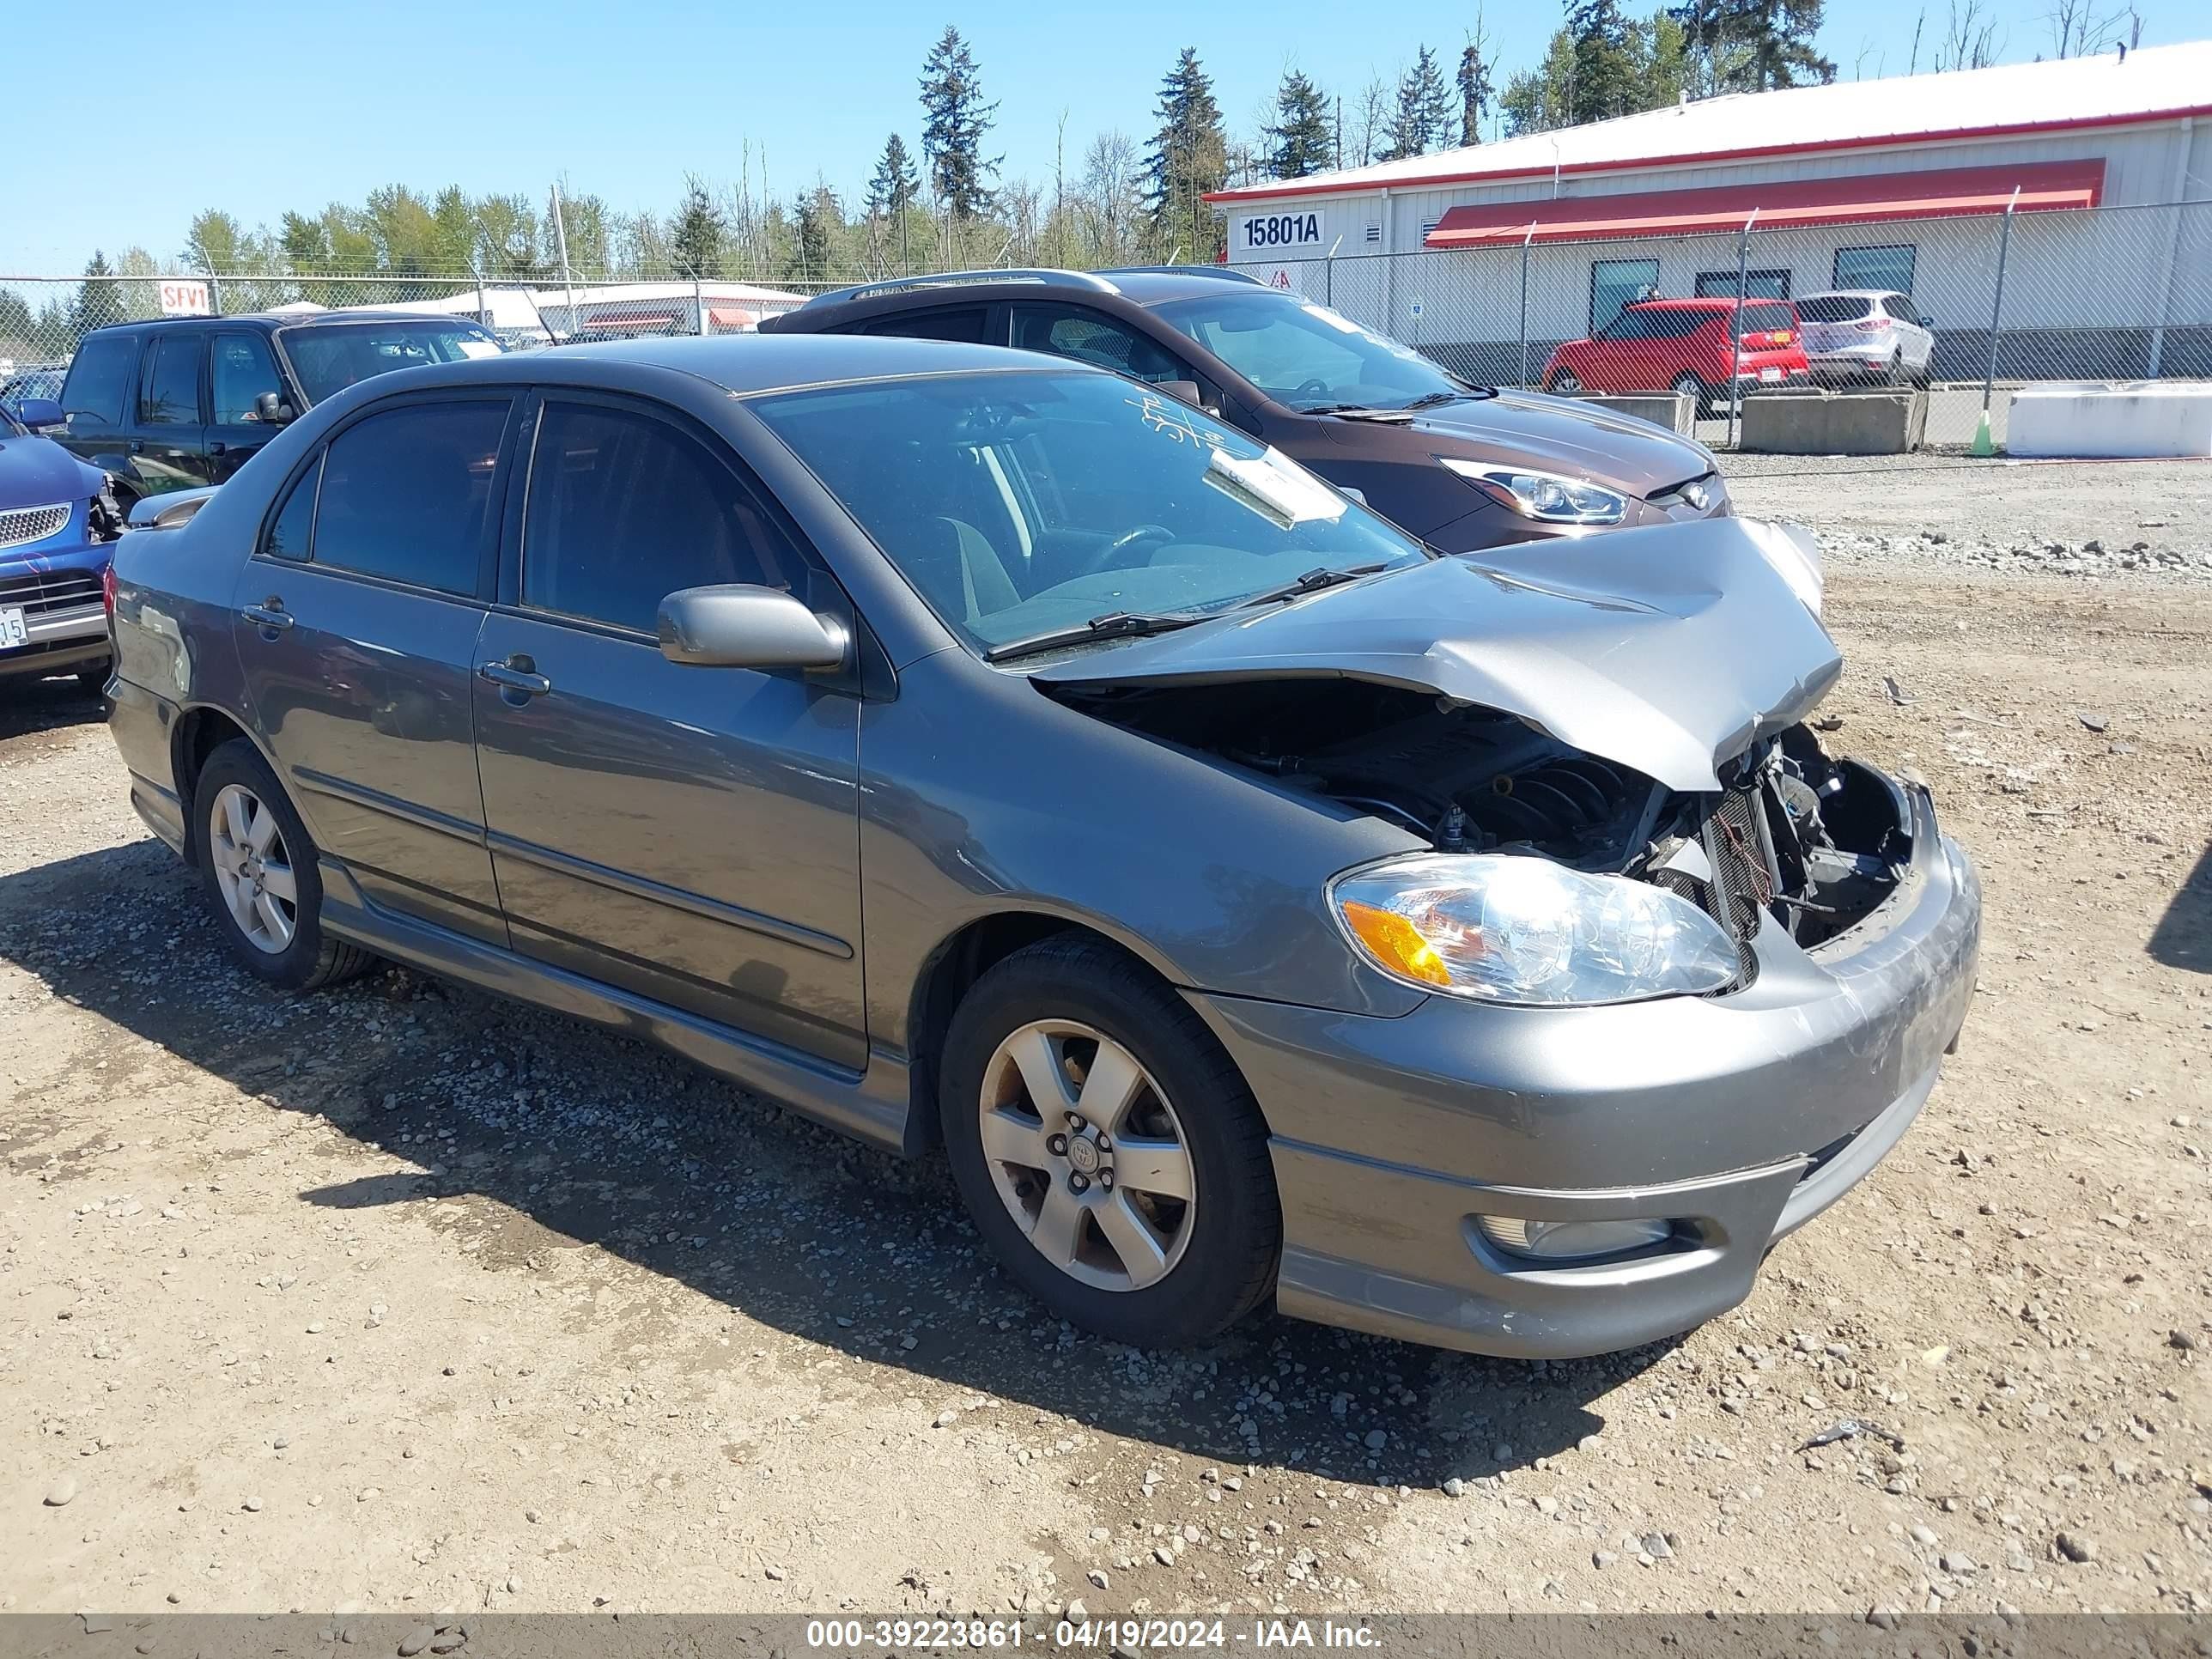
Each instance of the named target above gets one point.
<point>1671,650</point>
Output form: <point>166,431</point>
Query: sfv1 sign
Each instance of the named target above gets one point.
<point>1273,230</point>
<point>185,299</point>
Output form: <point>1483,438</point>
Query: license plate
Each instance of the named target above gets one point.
<point>13,634</point>
<point>1770,375</point>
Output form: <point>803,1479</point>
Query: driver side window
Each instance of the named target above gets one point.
<point>1090,336</point>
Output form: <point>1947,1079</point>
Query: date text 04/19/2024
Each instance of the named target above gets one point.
<point>1099,1635</point>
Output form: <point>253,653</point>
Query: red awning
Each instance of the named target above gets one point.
<point>1943,193</point>
<point>733,317</point>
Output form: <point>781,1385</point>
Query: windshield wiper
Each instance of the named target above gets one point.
<point>1435,400</point>
<point>1315,579</point>
<point>1113,625</point>
<point>1354,412</point>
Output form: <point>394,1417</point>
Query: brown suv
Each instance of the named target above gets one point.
<point>1462,466</point>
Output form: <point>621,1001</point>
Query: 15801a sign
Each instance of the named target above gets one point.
<point>1264,230</point>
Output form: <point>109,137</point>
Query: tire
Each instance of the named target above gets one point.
<point>1894,375</point>
<point>1064,1003</point>
<point>1687,385</point>
<point>93,677</point>
<point>300,957</point>
<point>1563,385</point>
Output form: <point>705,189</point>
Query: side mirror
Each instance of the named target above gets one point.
<point>271,408</point>
<point>740,626</point>
<point>40,413</point>
<point>1927,322</point>
<point>1186,390</point>
<point>1359,495</point>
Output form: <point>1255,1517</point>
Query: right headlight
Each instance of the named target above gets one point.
<point>1547,497</point>
<point>1506,928</point>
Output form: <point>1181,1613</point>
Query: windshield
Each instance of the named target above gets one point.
<point>1019,504</point>
<point>1305,355</point>
<point>330,356</point>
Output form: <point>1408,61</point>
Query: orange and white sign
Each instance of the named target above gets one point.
<point>185,299</point>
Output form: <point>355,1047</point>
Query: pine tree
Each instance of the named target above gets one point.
<point>1423,119</point>
<point>97,302</point>
<point>891,190</point>
<point>1301,142</point>
<point>1756,46</point>
<point>818,215</point>
<point>1606,81</point>
<point>1475,93</point>
<point>697,240</point>
<point>1189,156</point>
<point>955,119</point>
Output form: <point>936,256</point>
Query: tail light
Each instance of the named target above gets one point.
<point>108,589</point>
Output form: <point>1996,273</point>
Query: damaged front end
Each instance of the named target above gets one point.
<point>1813,844</point>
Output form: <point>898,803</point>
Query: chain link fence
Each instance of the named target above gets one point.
<point>2098,293</point>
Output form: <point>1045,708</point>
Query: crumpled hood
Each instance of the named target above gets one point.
<point>39,472</point>
<point>1671,650</point>
<point>1561,435</point>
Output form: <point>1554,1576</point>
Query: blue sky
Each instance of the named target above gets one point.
<point>622,99</point>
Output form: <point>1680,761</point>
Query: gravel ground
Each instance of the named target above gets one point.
<point>399,1298</point>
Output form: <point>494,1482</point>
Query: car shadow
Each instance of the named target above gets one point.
<point>43,705</point>
<point>2183,938</point>
<point>578,1136</point>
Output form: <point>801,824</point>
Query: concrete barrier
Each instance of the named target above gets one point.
<point>2099,418</point>
<point>1668,408</point>
<point>1833,423</point>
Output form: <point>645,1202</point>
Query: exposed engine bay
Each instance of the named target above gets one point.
<point>1814,843</point>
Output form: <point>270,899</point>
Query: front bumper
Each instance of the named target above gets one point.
<point>1737,1118</point>
<point>56,587</point>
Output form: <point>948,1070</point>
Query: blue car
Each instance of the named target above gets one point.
<point>58,526</point>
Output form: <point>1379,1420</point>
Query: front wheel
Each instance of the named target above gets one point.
<point>259,867</point>
<point>1107,1149</point>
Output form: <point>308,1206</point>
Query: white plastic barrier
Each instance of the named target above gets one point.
<point>2110,418</point>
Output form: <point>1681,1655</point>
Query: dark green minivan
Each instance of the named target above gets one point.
<point>176,403</point>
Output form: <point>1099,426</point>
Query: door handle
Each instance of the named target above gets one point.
<point>137,446</point>
<point>270,616</point>
<point>510,678</point>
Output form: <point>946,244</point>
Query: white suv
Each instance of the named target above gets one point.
<point>1860,334</point>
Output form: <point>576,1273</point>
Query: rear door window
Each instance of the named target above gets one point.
<point>406,493</point>
<point>624,509</point>
<point>169,390</point>
<point>1090,336</point>
<point>968,324</point>
<point>100,379</point>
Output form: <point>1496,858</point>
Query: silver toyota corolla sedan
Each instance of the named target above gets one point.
<point>982,752</point>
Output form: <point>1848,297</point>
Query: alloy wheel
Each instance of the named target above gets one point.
<point>246,844</point>
<point>1088,1155</point>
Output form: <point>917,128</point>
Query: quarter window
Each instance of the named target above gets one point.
<point>171,393</point>
<point>1089,337</point>
<point>1880,268</point>
<point>98,379</point>
<point>965,325</point>
<point>624,510</point>
<point>243,371</point>
<point>1617,283</point>
<point>405,493</point>
<point>295,522</point>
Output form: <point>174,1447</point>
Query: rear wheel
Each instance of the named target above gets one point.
<point>1106,1147</point>
<point>1565,383</point>
<point>1687,385</point>
<point>259,867</point>
<point>1894,375</point>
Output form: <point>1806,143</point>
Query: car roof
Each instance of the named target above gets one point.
<point>1700,302</point>
<point>747,363</point>
<point>294,319</point>
<point>1857,293</point>
<point>1144,285</point>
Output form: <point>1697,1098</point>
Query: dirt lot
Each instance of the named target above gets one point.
<point>400,1298</point>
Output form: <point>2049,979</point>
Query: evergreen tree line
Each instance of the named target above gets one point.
<point>945,199</point>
